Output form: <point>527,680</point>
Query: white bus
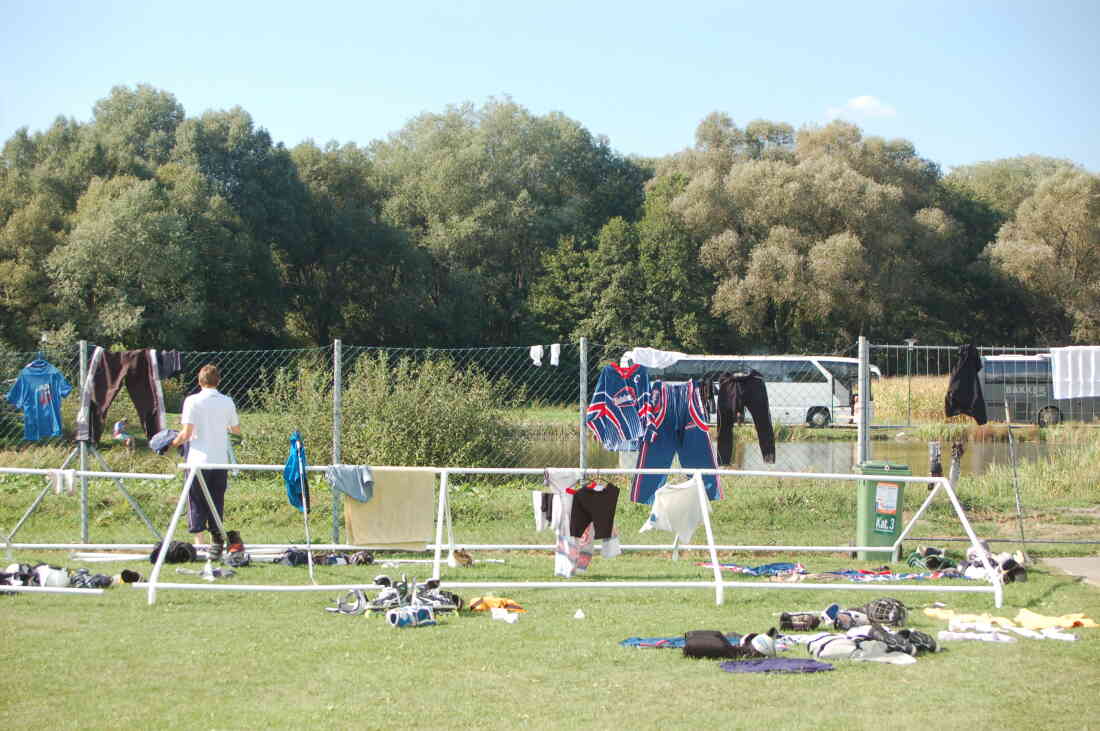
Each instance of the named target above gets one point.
<point>816,390</point>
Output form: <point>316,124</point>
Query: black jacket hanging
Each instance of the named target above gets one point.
<point>964,391</point>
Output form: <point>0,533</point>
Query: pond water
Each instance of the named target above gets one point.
<point>814,456</point>
<point>843,456</point>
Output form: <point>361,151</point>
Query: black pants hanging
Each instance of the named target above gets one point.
<point>736,392</point>
<point>108,372</point>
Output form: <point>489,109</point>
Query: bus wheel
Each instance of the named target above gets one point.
<point>818,417</point>
<point>1050,416</point>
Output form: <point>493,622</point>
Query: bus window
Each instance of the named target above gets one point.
<point>795,371</point>
<point>1024,383</point>
<point>770,370</point>
<point>846,373</point>
<point>993,372</point>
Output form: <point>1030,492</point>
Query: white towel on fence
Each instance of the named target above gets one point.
<point>1076,371</point>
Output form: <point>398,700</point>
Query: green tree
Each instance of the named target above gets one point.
<point>613,281</point>
<point>675,287</point>
<point>792,247</point>
<point>639,283</point>
<point>814,237</point>
<point>488,191</point>
<point>117,273</point>
<point>136,128</point>
<point>41,177</point>
<point>562,297</point>
<point>1050,248</point>
<point>1005,184</point>
<point>244,194</point>
<point>27,237</point>
<point>355,277</point>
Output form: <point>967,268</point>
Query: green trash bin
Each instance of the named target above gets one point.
<point>880,506</point>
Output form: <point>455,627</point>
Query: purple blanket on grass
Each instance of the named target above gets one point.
<point>775,665</point>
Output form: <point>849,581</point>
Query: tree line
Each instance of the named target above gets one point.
<point>488,224</point>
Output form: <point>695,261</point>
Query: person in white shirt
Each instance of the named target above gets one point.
<point>208,418</point>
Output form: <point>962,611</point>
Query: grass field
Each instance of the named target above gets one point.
<point>214,661</point>
<point>236,660</point>
<point>227,660</point>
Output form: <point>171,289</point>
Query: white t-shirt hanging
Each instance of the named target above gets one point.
<point>676,509</point>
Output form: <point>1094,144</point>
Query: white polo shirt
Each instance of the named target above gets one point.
<point>211,413</point>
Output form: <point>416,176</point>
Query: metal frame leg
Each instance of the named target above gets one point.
<point>130,498</point>
<point>159,563</point>
<point>704,503</point>
<point>440,519</point>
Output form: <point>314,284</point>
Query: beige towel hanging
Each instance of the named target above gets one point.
<point>401,515</point>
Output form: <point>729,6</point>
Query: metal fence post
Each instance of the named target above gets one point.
<point>84,538</point>
<point>337,424</point>
<point>911,342</point>
<point>582,399</point>
<point>864,400</point>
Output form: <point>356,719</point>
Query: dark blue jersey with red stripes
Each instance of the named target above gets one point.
<point>618,412</point>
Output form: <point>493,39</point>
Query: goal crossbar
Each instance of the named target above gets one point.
<point>718,583</point>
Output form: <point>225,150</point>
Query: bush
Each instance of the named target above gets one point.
<point>401,412</point>
<point>425,413</point>
<point>298,399</point>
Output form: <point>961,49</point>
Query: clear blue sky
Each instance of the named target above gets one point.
<point>965,81</point>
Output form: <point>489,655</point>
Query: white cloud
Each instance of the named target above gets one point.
<point>862,106</point>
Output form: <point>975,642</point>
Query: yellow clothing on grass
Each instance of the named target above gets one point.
<point>485,603</point>
<point>1024,618</point>
<point>948,614</point>
<point>1035,621</point>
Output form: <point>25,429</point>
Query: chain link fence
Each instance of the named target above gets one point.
<point>508,407</point>
<point>1020,379</point>
<point>444,392</point>
<point>805,394</point>
<point>246,375</point>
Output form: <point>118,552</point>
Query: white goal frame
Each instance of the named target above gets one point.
<point>443,520</point>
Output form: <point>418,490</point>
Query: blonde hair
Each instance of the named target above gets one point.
<point>209,376</point>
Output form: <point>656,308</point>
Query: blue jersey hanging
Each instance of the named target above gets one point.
<point>618,411</point>
<point>38,392</point>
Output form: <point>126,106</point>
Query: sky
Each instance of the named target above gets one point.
<point>964,81</point>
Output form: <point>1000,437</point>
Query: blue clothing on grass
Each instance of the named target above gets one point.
<point>38,392</point>
<point>769,569</point>
<point>676,642</point>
